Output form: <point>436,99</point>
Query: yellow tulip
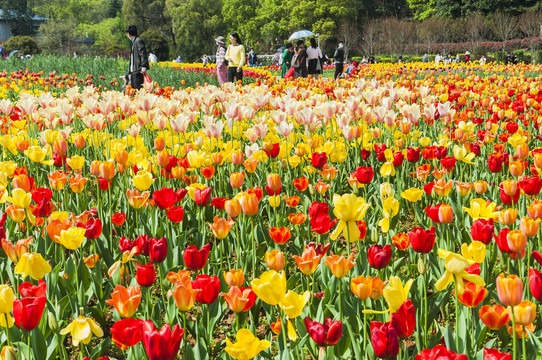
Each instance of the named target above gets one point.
<point>72,238</point>
<point>143,180</point>
<point>349,209</point>
<point>192,190</point>
<point>390,206</point>
<point>479,209</point>
<point>387,169</point>
<point>33,265</point>
<point>247,345</point>
<point>6,299</point>
<point>293,304</point>
<point>476,251</point>
<point>274,201</point>
<point>386,191</point>
<point>81,330</point>
<point>395,293</point>
<point>76,162</point>
<point>461,154</point>
<point>413,194</point>
<point>270,287</point>
<point>455,267</point>
<point>20,198</point>
<point>36,154</point>
<point>292,335</point>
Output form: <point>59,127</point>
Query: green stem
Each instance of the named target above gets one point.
<point>29,358</point>
<point>340,301</point>
<point>523,343</point>
<point>514,351</point>
<point>7,329</point>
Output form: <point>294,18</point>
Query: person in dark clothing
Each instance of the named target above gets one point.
<point>139,61</point>
<point>508,58</point>
<point>338,57</point>
<point>299,61</point>
<point>371,60</point>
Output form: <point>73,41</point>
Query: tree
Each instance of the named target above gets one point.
<point>18,15</point>
<point>504,26</point>
<point>422,9</point>
<point>350,34</point>
<point>371,36</point>
<point>58,37</point>
<point>196,23</point>
<point>529,24</point>
<point>240,15</point>
<point>475,28</point>
<point>273,17</point>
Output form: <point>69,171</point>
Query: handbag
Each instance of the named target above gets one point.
<point>147,78</point>
<point>319,65</point>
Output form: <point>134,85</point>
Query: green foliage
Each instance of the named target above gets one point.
<point>422,9</point>
<point>58,37</point>
<point>25,44</point>
<point>18,15</point>
<point>106,33</point>
<point>460,8</point>
<point>157,44</point>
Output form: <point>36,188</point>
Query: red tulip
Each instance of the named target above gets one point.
<point>398,159</point>
<point>280,235</point>
<point>326,334</point>
<point>126,333</point>
<point>164,198</point>
<point>146,275</point>
<point>413,155</point>
<point>319,249</point>
<point>384,339</point>
<point>43,209</point>
<point>163,344</point>
<point>203,196</point>
<point>495,161</point>
<point>507,199</point>
<point>535,283</point>
<point>118,219</point>
<point>196,259</point>
<point>210,288</point>
<point>318,160</point>
<point>320,220</point>
<point>41,194</point>
<point>364,174</point>
<point>175,214</point>
<point>448,163</point>
<point>103,183</point>
<point>219,202</point>
<point>157,249</point>
<point>432,213</point>
<point>482,230</point>
<point>494,354</point>
<point>93,228</point>
<point>530,185</point>
<point>422,241</point>
<point>404,320</point>
<point>440,352</point>
<point>27,312</point>
<point>27,290</point>
<point>379,257</point>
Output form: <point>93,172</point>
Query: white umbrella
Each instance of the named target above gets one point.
<point>301,34</point>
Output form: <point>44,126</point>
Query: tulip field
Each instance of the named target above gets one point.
<point>394,215</point>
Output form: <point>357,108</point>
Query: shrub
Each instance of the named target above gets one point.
<point>25,44</point>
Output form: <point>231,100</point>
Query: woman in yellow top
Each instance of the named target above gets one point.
<point>236,58</point>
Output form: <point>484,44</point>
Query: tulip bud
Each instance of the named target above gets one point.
<point>312,190</point>
<point>421,266</point>
<point>374,235</point>
<point>51,320</point>
<point>9,353</point>
<point>159,144</point>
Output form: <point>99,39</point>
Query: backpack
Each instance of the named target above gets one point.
<point>295,61</point>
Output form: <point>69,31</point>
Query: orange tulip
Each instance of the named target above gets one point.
<point>517,241</point>
<point>22,181</point>
<point>107,169</point>
<point>322,187</point>
<point>445,214</point>
<point>91,261</point>
<point>422,172</point>
<point>208,172</point>
<point>522,150</point>
<point>121,157</point>
<point>529,226</point>
<point>535,209</point>
<point>275,260</point>
<point>137,199</point>
<point>480,187</point>
<point>217,158</point>
<point>249,204</point>
<point>524,313</point>
<point>339,265</point>
<point>516,168</point>
<point>472,295</point>
<point>280,235</point>
<point>328,172</point>
<point>362,286</point>
<point>15,252</point>
<point>77,183</point>
<point>308,261</point>
<point>401,241</point>
<point>184,295</point>
<point>237,179</point>
<point>16,213</point>
<point>521,331</point>
<point>463,188</point>
<point>301,184</point>
<point>273,182</point>
<point>510,187</point>
<point>79,141</point>
<point>378,288</point>
<point>292,201</point>
<point>159,144</point>
<point>443,188</point>
<point>508,216</point>
<point>494,317</point>
<point>180,276</point>
<point>221,227</point>
<point>439,174</point>
<point>125,300</point>
<point>238,299</point>
<point>55,227</point>
<point>276,327</point>
<point>509,290</point>
<point>232,207</point>
<point>297,219</point>
<point>251,165</point>
<point>237,157</point>
<point>234,277</point>
<point>58,180</point>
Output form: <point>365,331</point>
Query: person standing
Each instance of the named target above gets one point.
<point>314,56</point>
<point>425,58</point>
<point>252,58</point>
<point>205,60</point>
<point>221,66</point>
<point>300,62</point>
<point>338,57</point>
<point>139,61</point>
<point>287,59</point>
<point>235,54</point>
